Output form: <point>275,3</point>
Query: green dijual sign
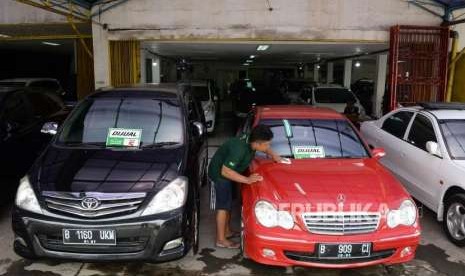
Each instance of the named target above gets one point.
<point>123,137</point>
<point>303,152</point>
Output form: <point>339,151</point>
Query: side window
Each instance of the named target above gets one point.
<point>51,85</point>
<point>17,110</point>
<point>422,131</point>
<point>397,124</point>
<point>43,104</point>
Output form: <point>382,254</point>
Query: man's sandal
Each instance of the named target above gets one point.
<point>230,246</point>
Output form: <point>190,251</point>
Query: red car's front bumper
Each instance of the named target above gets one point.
<point>299,250</point>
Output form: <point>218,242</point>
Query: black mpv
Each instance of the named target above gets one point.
<point>120,180</point>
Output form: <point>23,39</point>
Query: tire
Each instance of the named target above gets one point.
<point>454,219</point>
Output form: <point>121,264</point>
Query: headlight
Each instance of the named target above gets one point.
<point>26,198</point>
<point>269,217</point>
<point>405,215</point>
<point>171,197</point>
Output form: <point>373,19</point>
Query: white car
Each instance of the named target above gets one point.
<point>48,84</point>
<point>336,98</point>
<point>425,149</point>
<point>203,92</point>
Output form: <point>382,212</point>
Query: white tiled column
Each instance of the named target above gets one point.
<point>347,72</point>
<point>330,73</point>
<point>380,84</point>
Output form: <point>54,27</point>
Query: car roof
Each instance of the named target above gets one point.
<point>440,114</point>
<point>164,90</point>
<point>27,79</point>
<point>297,112</point>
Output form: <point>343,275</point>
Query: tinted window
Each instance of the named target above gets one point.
<point>17,110</point>
<point>43,104</point>
<point>337,137</point>
<point>397,124</point>
<point>12,83</point>
<point>52,85</point>
<point>422,131</point>
<point>160,120</point>
<point>333,95</point>
<point>454,134</point>
<point>201,93</point>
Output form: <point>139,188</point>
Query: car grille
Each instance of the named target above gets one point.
<point>313,258</point>
<point>105,204</point>
<point>341,223</point>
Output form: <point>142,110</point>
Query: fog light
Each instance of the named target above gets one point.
<point>268,253</point>
<point>173,244</point>
<point>406,252</point>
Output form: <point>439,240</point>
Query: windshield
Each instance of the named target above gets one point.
<point>333,95</point>
<point>12,83</point>
<point>454,134</point>
<point>201,93</point>
<point>311,138</point>
<point>154,121</point>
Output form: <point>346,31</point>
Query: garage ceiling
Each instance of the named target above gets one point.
<point>281,53</point>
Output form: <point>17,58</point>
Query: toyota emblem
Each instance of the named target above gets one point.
<point>341,198</point>
<point>90,203</point>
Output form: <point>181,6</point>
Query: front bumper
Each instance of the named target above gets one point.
<point>292,250</point>
<point>138,239</point>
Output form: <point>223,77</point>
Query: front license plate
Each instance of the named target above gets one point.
<point>344,251</point>
<point>89,237</point>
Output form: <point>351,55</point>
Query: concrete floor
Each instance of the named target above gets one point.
<point>435,256</point>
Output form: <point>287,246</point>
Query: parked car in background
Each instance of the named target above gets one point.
<point>22,113</point>
<point>333,205</point>
<point>204,92</point>
<point>119,181</point>
<point>334,97</point>
<point>364,90</point>
<point>425,148</point>
<point>296,88</point>
<point>39,84</point>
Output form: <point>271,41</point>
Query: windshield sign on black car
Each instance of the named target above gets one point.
<point>124,122</point>
<point>305,138</point>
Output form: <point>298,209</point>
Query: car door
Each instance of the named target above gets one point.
<point>390,136</point>
<point>423,170</point>
<point>198,152</point>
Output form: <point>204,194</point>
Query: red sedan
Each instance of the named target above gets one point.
<point>333,205</point>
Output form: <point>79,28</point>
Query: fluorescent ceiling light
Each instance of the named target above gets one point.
<point>154,64</point>
<point>249,61</point>
<point>318,66</point>
<point>252,56</point>
<point>263,47</point>
<point>358,64</point>
<point>4,36</point>
<point>50,43</point>
<point>246,64</point>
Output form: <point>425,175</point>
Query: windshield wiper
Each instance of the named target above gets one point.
<point>160,144</point>
<point>79,144</point>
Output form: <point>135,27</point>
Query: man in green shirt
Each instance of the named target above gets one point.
<point>226,167</point>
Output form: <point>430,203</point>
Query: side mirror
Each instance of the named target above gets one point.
<point>50,128</point>
<point>378,153</point>
<point>433,148</point>
<point>198,128</point>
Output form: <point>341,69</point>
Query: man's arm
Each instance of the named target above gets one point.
<point>237,177</point>
<point>276,158</point>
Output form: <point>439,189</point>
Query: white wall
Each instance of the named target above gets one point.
<point>156,65</point>
<point>232,20</point>
<point>12,12</point>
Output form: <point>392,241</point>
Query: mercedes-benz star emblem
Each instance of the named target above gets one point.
<point>341,198</point>
<point>90,203</point>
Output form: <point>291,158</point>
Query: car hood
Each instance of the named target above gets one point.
<point>104,170</point>
<point>317,183</point>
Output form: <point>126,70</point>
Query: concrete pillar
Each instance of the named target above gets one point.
<point>316,72</point>
<point>347,73</point>
<point>101,56</point>
<point>330,73</point>
<point>380,84</point>
<point>156,69</point>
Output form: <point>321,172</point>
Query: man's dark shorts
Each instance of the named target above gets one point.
<point>223,193</point>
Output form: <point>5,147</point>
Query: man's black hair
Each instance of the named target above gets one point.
<point>261,133</point>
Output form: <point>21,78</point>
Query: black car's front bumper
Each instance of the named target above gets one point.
<point>138,239</point>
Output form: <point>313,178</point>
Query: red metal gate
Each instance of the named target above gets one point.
<point>418,64</point>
